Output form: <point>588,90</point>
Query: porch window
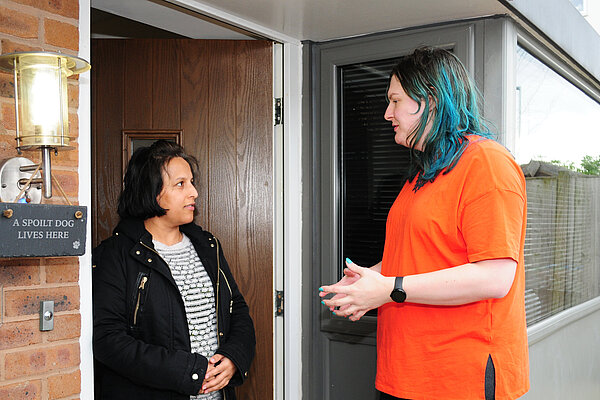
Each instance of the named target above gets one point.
<point>558,146</point>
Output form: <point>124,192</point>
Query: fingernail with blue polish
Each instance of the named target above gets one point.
<point>349,261</point>
<point>320,289</point>
<point>322,302</point>
<point>333,312</point>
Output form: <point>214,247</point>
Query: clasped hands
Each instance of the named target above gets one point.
<point>218,374</point>
<point>360,290</point>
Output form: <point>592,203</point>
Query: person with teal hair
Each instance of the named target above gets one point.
<point>449,289</point>
<point>425,77</point>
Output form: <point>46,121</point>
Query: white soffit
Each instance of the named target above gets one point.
<point>170,19</point>
<point>320,20</point>
<point>316,20</point>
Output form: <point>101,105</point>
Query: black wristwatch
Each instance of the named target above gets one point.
<point>398,294</point>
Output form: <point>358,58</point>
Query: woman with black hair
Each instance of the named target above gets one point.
<point>169,320</point>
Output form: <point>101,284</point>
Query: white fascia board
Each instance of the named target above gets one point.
<point>234,20</point>
<point>560,21</point>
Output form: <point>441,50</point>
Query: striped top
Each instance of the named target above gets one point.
<point>198,297</point>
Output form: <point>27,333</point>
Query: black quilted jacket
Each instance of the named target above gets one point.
<point>141,337</point>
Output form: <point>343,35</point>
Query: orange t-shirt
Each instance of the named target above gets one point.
<point>475,212</point>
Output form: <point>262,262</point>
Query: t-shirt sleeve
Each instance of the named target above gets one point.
<point>491,217</point>
<point>492,225</point>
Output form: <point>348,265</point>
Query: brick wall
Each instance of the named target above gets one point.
<point>35,364</point>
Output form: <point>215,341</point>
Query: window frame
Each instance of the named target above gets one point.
<point>564,67</point>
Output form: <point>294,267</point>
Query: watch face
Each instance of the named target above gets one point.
<point>398,295</point>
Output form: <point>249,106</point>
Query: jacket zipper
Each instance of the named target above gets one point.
<point>230,292</point>
<point>218,286</point>
<point>217,297</point>
<point>139,297</point>
<point>217,301</point>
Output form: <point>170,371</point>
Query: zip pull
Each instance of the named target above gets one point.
<point>143,282</point>
<point>139,298</point>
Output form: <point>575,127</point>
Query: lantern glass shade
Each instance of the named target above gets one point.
<point>42,102</point>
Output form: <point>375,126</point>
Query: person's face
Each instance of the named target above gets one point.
<point>178,194</point>
<point>404,114</point>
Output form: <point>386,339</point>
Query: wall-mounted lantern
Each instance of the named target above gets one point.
<point>41,103</point>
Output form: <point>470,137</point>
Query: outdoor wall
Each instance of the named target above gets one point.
<point>35,364</point>
<point>564,355</point>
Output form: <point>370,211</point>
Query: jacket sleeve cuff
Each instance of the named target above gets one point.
<point>241,373</point>
<point>191,382</point>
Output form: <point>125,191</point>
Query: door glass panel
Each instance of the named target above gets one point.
<point>371,163</point>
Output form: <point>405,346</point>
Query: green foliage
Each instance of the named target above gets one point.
<point>589,165</point>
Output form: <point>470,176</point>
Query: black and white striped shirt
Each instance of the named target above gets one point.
<point>198,296</point>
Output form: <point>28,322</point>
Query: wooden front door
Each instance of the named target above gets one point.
<point>215,97</point>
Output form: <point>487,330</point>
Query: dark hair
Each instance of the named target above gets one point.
<point>438,78</point>
<point>143,180</point>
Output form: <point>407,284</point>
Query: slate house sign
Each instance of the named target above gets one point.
<point>42,230</point>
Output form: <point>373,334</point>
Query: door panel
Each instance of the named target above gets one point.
<point>137,57</point>
<point>166,78</point>
<point>219,93</point>
<point>194,114</point>
<point>107,121</point>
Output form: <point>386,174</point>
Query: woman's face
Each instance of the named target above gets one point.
<point>404,114</point>
<point>178,194</point>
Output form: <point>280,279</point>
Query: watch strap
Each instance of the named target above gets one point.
<point>398,282</point>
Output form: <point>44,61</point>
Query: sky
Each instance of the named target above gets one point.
<point>555,120</point>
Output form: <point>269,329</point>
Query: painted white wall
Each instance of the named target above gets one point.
<point>564,355</point>
<point>592,14</point>
<point>85,199</point>
<point>292,119</point>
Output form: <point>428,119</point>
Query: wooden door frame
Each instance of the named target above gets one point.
<point>296,235</point>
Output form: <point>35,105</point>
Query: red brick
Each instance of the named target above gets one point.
<point>18,24</point>
<point>19,334</point>
<point>73,125</point>
<point>64,385</point>
<point>7,85</point>
<point>58,199</point>
<point>28,390</point>
<point>27,301</point>
<point>35,156</point>
<point>66,326</point>
<point>19,271</point>
<point>7,145</point>
<point>8,116</point>
<point>73,93</point>
<point>61,34</point>
<point>9,46</point>
<point>66,8</point>
<point>42,360</point>
<point>62,270</point>
<point>68,158</point>
<point>68,180</point>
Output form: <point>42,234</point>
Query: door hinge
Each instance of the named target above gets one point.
<point>277,111</point>
<point>278,303</point>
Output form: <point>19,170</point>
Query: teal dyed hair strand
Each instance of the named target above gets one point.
<point>437,78</point>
